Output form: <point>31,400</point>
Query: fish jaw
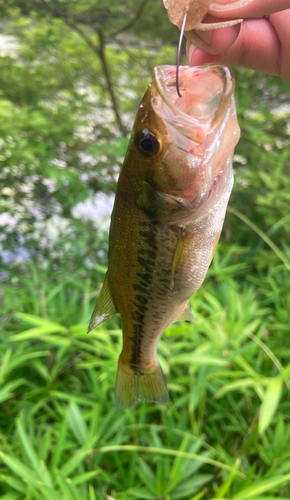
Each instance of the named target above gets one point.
<point>206,93</point>
<point>201,132</point>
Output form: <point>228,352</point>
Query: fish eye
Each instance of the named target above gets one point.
<point>146,143</point>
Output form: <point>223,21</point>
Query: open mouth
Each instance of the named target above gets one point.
<point>205,97</point>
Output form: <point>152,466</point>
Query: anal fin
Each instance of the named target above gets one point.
<point>105,307</point>
<point>185,315</point>
<point>214,246</point>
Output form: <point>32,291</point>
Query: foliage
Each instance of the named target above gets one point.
<point>63,138</point>
<point>263,154</point>
<point>64,123</point>
<point>224,433</point>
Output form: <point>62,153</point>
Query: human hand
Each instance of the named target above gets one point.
<point>260,42</point>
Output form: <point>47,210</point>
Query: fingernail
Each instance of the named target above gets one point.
<point>204,35</point>
<point>190,51</point>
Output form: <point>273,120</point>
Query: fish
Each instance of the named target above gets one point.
<point>197,10</point>
<point>168,214</point>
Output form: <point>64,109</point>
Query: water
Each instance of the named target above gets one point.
<point>8,45</point>
<point>97,209</point>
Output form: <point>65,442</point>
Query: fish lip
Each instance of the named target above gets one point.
<point>193,127</point>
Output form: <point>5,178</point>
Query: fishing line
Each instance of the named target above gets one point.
<point>178,53</point>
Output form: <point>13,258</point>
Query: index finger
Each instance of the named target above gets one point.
<point>256,8</point>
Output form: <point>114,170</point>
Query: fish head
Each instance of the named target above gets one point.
<point>183,146</point>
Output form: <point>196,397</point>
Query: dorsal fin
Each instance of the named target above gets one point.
<point>105,307</point>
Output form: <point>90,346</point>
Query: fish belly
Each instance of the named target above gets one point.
<point>151,288</point>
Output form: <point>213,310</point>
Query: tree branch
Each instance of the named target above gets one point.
<point>99,50</point>
<point>110,88</point>
<point>132,22</point>
<point>57,13</point>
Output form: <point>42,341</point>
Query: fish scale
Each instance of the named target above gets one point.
<point>170,204</point>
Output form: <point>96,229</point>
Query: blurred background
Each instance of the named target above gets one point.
<point>72,74</point>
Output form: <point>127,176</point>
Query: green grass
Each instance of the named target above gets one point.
<point>225,432</point>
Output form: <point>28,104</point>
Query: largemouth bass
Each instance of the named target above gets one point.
<point>168,214</point>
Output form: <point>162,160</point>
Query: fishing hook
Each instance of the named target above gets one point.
<point>178,52</point>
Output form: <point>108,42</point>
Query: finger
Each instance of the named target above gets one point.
<point>281,21</point>
<point>198,57</point>
<point>256,8</point>
<point>256,47</point>
<point>262,45</point>
<point>215,41</point>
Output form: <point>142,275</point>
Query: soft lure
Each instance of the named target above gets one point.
<point>196,10</point>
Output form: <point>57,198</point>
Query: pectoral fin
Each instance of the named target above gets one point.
<point>185,315</point>
<point>177,254</point>
<point>105,307</point>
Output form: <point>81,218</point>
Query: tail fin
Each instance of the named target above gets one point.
<point>132,386</point>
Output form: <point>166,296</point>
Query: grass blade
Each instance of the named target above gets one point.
<point>270,403</point>
<point>262,487</point>
<point>262,235</point>
<point>77,423</point>
<point>19,469</point>
<point>169,452</point>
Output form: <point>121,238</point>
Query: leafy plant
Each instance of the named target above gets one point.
<point>64,129</point>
